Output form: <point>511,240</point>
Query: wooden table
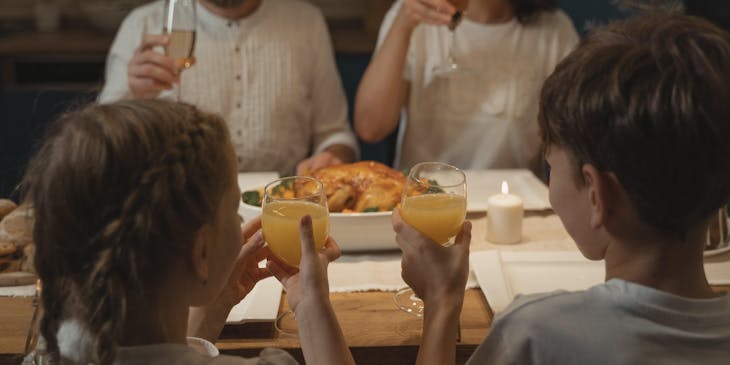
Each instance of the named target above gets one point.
<point>377,331</point>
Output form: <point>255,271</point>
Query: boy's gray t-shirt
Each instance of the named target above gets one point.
<point>617,322</point>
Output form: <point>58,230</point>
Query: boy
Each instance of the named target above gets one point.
<point>636,124</point>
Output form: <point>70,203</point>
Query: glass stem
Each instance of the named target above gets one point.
<point>451,49</point>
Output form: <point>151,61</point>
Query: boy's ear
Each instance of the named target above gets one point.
<point>599,193</point>
<point>199,253</point>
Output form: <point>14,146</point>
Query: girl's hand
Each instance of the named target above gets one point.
<point>309,283</point>
<point>434,12</point>
<point>207,321</point>
<point>433,271</point>
<point>246,271</point>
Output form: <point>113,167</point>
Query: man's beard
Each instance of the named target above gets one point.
<point>227,3</point>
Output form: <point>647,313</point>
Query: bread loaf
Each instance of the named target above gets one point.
<point>17,227</point>
<point>6,206</point>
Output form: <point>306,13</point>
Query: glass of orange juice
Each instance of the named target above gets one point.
<point>285,202</point>
<point>434,203</point>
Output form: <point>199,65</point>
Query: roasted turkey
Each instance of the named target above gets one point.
<point>366,186</point>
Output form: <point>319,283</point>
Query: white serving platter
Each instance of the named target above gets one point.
<point>354,232</point>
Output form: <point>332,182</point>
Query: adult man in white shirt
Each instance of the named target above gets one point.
<point>266,66</point>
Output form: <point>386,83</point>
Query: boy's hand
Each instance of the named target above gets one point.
<point>308,283</point>
<point>433,271</point>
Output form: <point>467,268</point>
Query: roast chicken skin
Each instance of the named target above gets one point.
<point>361,186</point>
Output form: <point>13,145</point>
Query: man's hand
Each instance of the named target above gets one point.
<point>150,72</point>
<point>332,156</point>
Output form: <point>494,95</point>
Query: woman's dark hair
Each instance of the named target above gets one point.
<point>526,10</point>
<point>116,191</point>
<point>648,99</point>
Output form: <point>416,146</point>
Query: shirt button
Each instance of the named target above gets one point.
<point>237,49</point>
<point>238,77</point>
<point>239,133</point>
<point>238,105</point>
<point>230,24</point>
<point>240,160</point>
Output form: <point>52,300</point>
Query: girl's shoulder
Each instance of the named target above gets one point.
<point>552,21</point>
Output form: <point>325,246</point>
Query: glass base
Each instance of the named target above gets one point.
<point>407,301</point>
<point>286,324</point>
<point>447,69</point>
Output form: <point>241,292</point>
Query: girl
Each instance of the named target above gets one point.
<point>482,115</point>
<point>136,222</point>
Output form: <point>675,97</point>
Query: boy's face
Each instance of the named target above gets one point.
<point>572,202</point>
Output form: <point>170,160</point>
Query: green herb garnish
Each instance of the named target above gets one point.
<point>371,210</point>
<point>251,197</point>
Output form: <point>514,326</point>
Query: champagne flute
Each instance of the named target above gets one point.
<point>434,203</point>
<point>451,66</point>
<point>179,25</point>
<point>285,202</point>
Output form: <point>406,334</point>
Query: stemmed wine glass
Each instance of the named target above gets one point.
<point>451,66</point>
<point>179,24</point>
<point>285,202</point>
<point>434,202</point>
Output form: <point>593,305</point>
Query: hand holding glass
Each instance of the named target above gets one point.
<point>285,202</point>
<point>434,203</point>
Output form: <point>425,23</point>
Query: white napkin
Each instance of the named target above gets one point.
<point>260,305</point>
<point>356,273</point>
<point>18,291</point>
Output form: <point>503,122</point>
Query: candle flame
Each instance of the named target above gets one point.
<point>505,187</point>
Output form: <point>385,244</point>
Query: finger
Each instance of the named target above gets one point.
<point>150,41</point>
<point>261,273</point>
<point>283,264</point>
<point>255,243</point>
<point>442,6</point>
<point>464,236</point>
<point>430,14</point>
<point>251,227</point>
<point>331,249</point>
<point>304,167</point>
<point>409,234</point>
<point>153,71</point>
<point>306,235</point>
<point>148,86</point>
<point>278,271</point>
<point>157,59</point>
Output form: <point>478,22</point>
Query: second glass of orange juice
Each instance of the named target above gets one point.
<point>285,202</point>
<point>434,203</point>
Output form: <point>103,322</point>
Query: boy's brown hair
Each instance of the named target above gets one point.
<point>118,191</point>
<point>648,99</point>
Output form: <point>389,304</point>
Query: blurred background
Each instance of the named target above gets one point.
<point>52,55</point>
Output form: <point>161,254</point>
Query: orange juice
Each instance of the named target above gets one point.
<point>438,216</point>
<point>280,221</point>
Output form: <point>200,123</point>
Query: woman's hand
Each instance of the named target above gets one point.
<point>309,283</point>
<point>434,12</point>
<point>434,272</point>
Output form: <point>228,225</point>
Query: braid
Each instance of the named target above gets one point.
<point>125,215</point>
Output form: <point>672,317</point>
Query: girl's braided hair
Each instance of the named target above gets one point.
<point>116,190</point>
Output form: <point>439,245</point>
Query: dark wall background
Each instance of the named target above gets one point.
<point>24,115</point>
